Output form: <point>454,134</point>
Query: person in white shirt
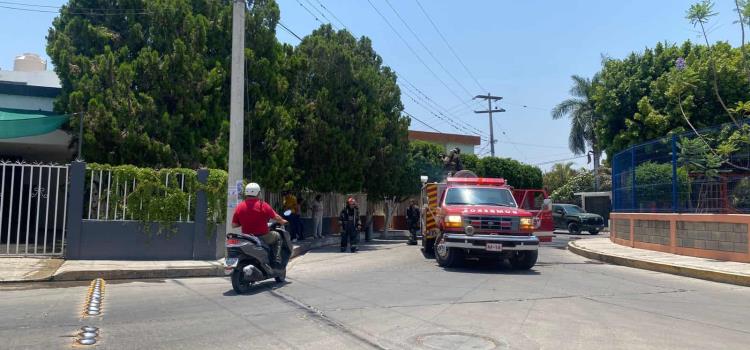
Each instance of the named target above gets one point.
<point>317,214</point>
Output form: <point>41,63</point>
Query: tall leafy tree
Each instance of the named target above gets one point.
<point>581,110</point>
<point>348,107</point>
<point>153,83</point>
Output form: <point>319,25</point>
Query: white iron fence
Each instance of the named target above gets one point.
<point>110,198</point>
<point>33,208</point>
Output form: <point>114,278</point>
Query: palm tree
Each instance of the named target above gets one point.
<point>582,113</point>
<point>559,175</point>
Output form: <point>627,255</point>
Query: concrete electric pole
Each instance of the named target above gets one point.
<point>236,110</point>
<point>489,110</point>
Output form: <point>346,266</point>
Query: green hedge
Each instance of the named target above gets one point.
<point>155,200</point>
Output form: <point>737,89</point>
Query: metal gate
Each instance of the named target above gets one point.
<point>33,209</point>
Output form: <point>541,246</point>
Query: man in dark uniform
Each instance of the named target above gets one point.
<point>452,162</point>
<point>412,221</point>
<point>350,225</point>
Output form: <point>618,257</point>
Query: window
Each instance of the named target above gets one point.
<point>573,209</point>
<point>480,196</point>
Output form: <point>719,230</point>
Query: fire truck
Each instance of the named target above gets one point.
<point>471,217</point>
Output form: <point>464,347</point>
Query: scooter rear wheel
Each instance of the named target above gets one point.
<point>239,285</point>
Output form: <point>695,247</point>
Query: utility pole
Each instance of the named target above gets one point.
<point>489,111</point>
<point>236,110</point>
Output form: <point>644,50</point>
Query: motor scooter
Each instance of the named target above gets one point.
<point>249,259</point>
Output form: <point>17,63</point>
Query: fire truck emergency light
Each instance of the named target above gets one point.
<point>476,181</point>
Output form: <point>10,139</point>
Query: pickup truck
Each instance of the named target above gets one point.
<point>478,218</point>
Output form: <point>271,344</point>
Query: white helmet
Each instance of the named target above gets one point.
<point>252,189</point>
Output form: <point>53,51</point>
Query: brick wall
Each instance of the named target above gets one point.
<point>726,237</point>
<point>651,231</point>
<point>622,228</point>
<point>712,236</point>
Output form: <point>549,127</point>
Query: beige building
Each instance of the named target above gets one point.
<point>465,143</point>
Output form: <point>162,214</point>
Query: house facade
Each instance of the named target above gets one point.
<point>29,129</point>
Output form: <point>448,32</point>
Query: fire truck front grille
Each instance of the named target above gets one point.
<point>492,223</point>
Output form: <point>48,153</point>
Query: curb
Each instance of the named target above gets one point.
<point>680,270</point>
<point>216,269</point>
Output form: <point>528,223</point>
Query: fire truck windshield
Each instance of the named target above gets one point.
<point>480,196</point>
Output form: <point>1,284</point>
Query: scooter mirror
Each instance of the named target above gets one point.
<point>547,204</point>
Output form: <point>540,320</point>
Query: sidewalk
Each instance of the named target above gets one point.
<point>708,269</point>
<point>46,269</point>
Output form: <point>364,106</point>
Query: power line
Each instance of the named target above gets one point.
<point>71,10</point>
<point>450,120</point>
<point>290,31</point>
<point>450,47</point>
<point>527,106</point>
<point>430,100</point>
<point>424,123</point>
<point>321,13</point>
<point>444,118</point>
<point>28,5</point>
<point>310,12</point>
<point>419,58</point>
<point>560,160</point>
<point>332,14</point>
<point>532,145</point>
<point>29,10</point>
<point>419,40</point>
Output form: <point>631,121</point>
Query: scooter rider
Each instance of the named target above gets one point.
<point>351,225</point>
<point>253,215</point>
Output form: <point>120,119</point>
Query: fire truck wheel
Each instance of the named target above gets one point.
<point>447,257</point>
<point>428,247</point>
<point>524,260</point>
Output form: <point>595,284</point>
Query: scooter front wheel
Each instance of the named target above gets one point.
<point>239,284</point>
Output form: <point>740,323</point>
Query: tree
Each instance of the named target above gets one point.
<point>153,87</point>
<point>581,182</point>
<point>581,110</point>
<point>517,174</point>
<point>644,96</point>
<point>559,175</point>
<point>425,159</point>
<point>349,109</point>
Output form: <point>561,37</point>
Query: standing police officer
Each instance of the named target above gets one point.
<point>351,225</point>
<point>412,220</point>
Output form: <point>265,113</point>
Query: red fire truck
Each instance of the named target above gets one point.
<point>471,217</point>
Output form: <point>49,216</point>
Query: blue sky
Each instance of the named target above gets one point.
<point>524,51</point>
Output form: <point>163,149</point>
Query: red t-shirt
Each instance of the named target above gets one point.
<point>253,215</point>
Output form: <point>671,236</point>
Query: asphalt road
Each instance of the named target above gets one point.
<point>389,296</point>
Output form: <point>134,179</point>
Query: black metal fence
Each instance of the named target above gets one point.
<point>703,172</point>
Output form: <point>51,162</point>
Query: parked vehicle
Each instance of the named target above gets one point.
<point>574,219</point>
<point>249,259</point>
<point>470,217</point>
